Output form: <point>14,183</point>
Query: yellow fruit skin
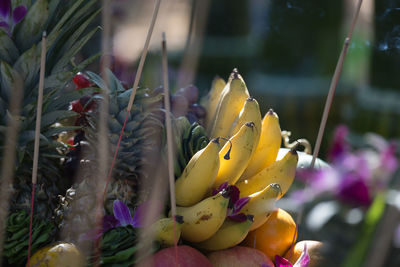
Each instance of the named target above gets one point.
<point>281,172</point>
<point>231,102</point>
<point>230,234</point>
<point>198,176</point>
<point>249,112</point>
<point>214,96</point>
<point>202,220</point>
<point>268,146</point>
<point>314,249</point>
<point>261,204</point>
<point>58,255</point>
<point>164,232</point>
<point>242,147</point>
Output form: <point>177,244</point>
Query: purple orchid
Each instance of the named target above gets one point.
<point>10,17</point>
<point>355,176</point>
<point>122,217</point>
<point>303,260</point>
<point>235,203</point>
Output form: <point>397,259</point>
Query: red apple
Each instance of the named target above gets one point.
<point>187,257</point>
<point>239,256</point>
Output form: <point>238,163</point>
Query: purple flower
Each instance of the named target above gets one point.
<point>10,17</point>
<point>235,203</point>
<point>354,190</point>
<point>339,145</point>
<point>122,217</point>
<point>303,261</point>
<point>123,214</point>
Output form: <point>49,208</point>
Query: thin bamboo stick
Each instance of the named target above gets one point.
<point>37,136</point>
<point>331,94</point>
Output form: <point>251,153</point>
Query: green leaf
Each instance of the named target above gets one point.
<point>9,77</point>
<point>8,50</point>
<point>64,61</point>
<point>121,256</point>
<point>54,34</point>
<point>29,31</point>
<point>28,65</point>
<point>63,99</point>
<point>96,79</point>
<point>357,254</point>
<point>50,118</point>
<point>72,39</point>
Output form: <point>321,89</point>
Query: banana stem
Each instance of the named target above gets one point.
<point>227,155</point>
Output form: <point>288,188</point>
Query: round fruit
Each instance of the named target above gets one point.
<point>275,236</point>
<point>58,255</point>
<point>239,256</point>
<point>179,105</point>
<point>187,257</point>
<point>314,249</point>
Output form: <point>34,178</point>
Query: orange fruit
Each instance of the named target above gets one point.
<point>275,236</point>
<point>314,249</point>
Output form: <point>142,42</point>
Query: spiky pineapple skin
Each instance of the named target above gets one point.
<point>140,145</point>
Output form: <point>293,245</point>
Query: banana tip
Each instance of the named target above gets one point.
<point>270,111</point>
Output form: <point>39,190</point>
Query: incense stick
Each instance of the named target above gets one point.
<point>37,136</point>
<point>331,93</point>
<point>170,148</point>
<point>334,83</point>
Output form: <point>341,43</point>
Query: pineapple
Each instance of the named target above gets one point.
<point>140,144</point>
<point>20,49</point>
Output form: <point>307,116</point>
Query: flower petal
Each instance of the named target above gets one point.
<point>4,25</point>
<point>241,217</point>
<point>122,213</point>
<point>220,188</point>
<point>19,13</point>
<point>304,259</point>
<point>354,190</point>
<point>234,194</point>
<point>282,262</point>
<point>5,8</point>
<point>240,204</point>
<point>109,222</point>
<point>137,220</point>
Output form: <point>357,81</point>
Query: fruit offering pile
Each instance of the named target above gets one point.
<point>226,193</point>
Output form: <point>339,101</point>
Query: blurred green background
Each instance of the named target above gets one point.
<point>285,50</point>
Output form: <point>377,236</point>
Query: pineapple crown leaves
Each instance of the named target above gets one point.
<point>67,24</point>
<point>142,131</point>
<point>17,238</point>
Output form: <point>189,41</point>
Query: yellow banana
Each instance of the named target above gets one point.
<point>164,232</point>
<point>231,102</point>
<point>241,149</point>
<point>230,234</point>
<point>261,204</point>
<point>268,145</point>
<point>281,172</point>
<point>198,176</point>
<point>212,100</point>
<point>249,112</point>
<point>202,220</point>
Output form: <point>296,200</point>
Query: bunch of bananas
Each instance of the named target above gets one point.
<point>242,152</point>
